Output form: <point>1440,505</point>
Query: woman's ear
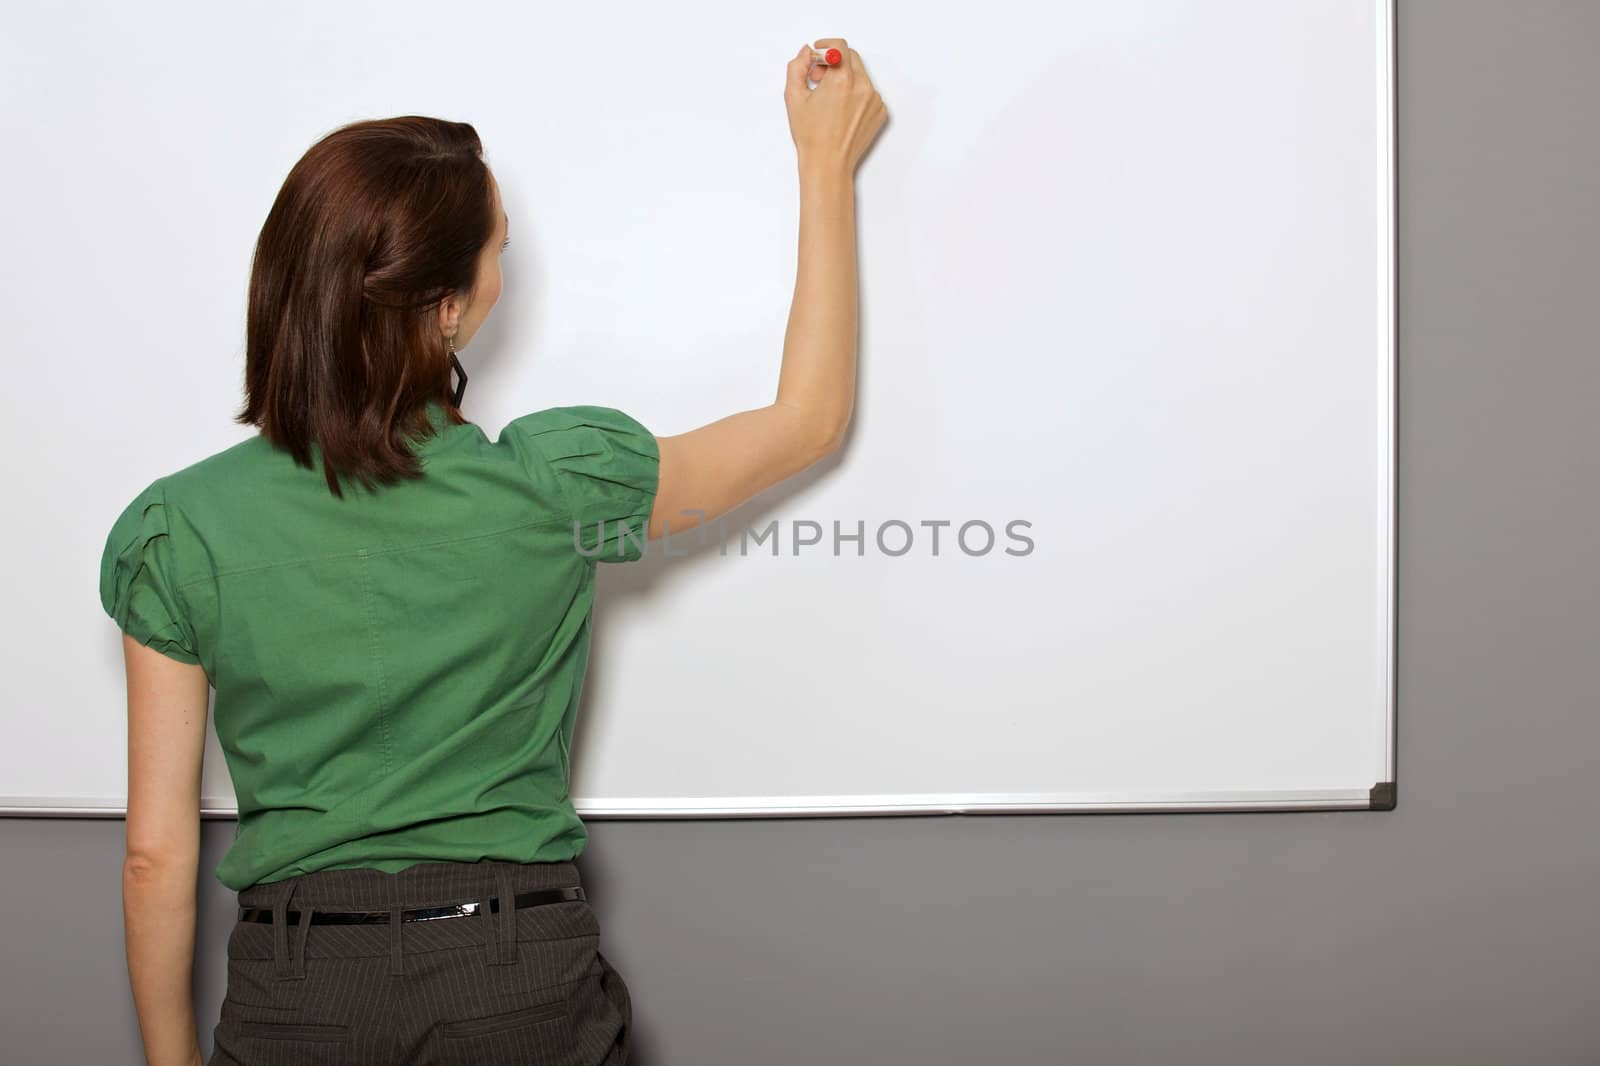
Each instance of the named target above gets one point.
<point>449,316</point>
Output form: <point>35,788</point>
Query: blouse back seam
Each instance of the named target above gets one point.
<point>369,552</point>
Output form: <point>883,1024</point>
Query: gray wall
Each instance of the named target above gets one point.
<point>1461,928</point>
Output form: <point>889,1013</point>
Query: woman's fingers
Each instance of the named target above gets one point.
<point>798,71</point>
<point>820,69</point>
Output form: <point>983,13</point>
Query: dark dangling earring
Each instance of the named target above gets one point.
<point>461,386</point>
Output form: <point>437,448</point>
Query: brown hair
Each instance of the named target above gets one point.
<point>375,225</point>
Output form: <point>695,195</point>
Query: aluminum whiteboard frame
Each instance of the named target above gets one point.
<point>1381,796</point>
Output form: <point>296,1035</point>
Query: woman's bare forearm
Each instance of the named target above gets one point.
<point>817,378</point>
<point>158,902</point>
<point>711,470</point>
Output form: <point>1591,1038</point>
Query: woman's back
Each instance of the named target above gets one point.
<point>397,673</point>
<point>397,668</point>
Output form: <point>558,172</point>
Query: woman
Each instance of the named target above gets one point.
<point>394,612</point>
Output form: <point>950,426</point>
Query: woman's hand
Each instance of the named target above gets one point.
<point>833,124</point>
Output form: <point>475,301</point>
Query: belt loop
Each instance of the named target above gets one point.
<point>297,961</point>
<point>508,913</point>
<point>282,961</point>
<point>396,959</point>
<point>486,923</point>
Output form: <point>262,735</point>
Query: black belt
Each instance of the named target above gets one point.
<point>419,914</point>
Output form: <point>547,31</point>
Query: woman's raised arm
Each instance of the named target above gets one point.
<point>715,468</point>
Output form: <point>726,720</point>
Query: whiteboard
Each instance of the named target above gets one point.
<point>1128,277</point>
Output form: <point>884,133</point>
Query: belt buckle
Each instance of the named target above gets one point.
<point>429,914</point>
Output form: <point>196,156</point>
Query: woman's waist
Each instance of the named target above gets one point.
<point>420,884</point>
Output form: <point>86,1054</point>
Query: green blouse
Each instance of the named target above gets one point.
<point>397,673</point>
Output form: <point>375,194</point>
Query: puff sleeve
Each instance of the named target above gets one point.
<point>607,467</point>
<point>136,578</point>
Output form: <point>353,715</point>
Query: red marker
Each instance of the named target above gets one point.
<point>832,57</point>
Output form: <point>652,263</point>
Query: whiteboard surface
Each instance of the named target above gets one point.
<point>1129,280</point>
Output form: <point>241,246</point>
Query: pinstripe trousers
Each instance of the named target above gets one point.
<point>524,986</point>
